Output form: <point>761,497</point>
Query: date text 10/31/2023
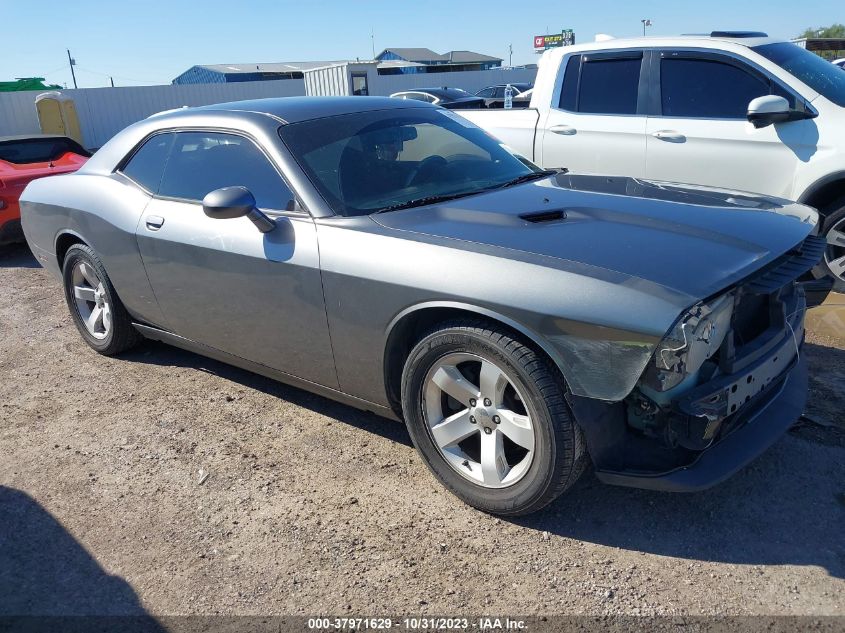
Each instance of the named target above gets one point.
<point>417,623</point>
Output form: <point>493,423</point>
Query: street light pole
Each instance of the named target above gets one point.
<point>646,23</point>
<point>510,55</point>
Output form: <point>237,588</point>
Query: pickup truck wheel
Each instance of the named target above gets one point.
<point>93,303</point>
<point>488,415</point>
<point>834,231</point>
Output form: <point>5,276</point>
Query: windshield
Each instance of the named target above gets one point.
<point>367,162</point>
<point>38,150</point>
<point>818,73</point>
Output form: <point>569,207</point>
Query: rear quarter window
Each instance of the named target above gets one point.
<point>146,165</point>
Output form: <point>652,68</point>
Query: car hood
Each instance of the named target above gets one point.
<point>692,240</point>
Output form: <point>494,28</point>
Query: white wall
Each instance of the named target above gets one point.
<point>105,111</point>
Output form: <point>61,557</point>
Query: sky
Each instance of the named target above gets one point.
<point>151,42</point>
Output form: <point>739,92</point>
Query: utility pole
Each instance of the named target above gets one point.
<point>510,55</point>
<point>72,64</point>
<point>373,42</point>
<point>112,81</point>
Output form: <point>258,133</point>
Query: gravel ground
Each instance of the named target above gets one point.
<point>166,483</point>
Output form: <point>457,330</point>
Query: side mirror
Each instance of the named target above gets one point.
<point>764,111</point>
<point>235,202</point>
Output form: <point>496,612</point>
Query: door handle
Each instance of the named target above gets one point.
<point>670,136</point>
<point>566,130</point>
<point>154,222</point>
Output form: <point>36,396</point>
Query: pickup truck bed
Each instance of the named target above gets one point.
<point>517,128</point>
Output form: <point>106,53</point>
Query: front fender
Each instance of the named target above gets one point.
<point>596,362</point>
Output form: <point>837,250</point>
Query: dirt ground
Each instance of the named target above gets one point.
<point>165,483</point>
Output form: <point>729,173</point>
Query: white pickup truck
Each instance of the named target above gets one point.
<point>736,110</point>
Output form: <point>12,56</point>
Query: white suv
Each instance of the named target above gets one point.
<point>736,110</point>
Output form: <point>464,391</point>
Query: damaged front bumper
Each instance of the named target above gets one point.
<point>764,418</point>
<point>741,400</point>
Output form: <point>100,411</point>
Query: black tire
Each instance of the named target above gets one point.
<point>834,214</point>
<point>122,335</point>
<point>559,451</point>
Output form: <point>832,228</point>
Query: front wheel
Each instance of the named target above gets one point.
<point>834,232</point>
<point>488,415</point>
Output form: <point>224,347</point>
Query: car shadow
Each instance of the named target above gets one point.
<point>17,256</point>
<point>762,516</point>
<point>785,508</point>
<point>155,353</point>
<point>802,138</point>
<point>782,509</point>
<point>49,581</point>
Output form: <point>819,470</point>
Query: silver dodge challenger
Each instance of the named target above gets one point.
<point>393,256</point>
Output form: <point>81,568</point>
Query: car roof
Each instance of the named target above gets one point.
<point>297,109</point>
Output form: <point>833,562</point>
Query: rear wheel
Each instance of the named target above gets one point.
<point>488,415</point>
<point>93,303</point>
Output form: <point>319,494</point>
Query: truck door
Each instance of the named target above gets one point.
<point>700,133</point>
<point>597,121</point>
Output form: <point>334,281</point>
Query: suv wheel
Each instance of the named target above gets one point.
<point>834,231</point>
<point>488,415</point>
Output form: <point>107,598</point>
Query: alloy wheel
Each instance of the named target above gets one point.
<point>834,256</point>
<point>478,420</point>
<point>91,300</point>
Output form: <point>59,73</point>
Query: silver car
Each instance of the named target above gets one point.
<point>389,254</point>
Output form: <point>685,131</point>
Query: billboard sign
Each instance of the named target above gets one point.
<point>545,42</point>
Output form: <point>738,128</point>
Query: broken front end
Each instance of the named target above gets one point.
<point>722,386</point>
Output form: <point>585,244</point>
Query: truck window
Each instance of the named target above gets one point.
<point>609,86</point>
<point>707,89</point>
<point>569,90</point>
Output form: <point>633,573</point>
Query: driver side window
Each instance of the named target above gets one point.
<point>201,162</point>
<point>705,88</point>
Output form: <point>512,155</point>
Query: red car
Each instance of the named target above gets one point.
<point>25,158</point>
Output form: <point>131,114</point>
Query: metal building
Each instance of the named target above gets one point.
<point>391,61</point>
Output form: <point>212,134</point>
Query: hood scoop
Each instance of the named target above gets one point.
<point>541,217</point>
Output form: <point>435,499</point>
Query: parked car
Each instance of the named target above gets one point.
<point>494,96</point>
<point>449,98</point>
<point>23,159</point>
<point>736,110</point>
<point>524,97</point>
<point>393,256</point>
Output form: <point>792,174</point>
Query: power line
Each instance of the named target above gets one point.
<point>55,70</point>
<point>97,72</point>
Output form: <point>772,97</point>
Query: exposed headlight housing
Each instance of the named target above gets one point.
<point>694,338</point>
